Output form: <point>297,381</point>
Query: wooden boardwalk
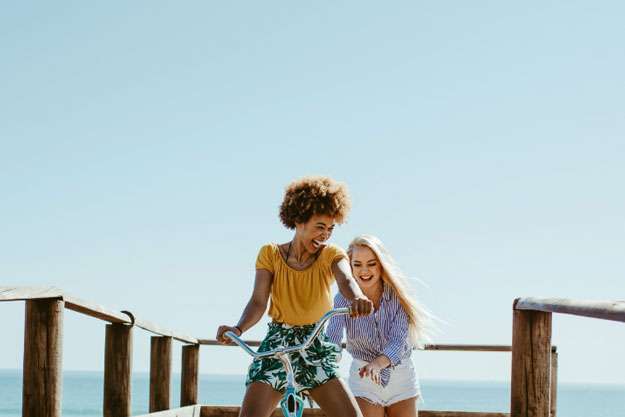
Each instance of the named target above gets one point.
<point>533,376</point>
<point>227,411</point>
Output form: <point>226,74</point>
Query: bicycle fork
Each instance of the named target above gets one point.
<point>292,404</point>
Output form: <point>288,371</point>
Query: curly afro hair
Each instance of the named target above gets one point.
<point>314,195</point>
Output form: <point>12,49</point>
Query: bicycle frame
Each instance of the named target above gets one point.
<point>292,404</point>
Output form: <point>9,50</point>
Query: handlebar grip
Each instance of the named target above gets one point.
<point>351,311</point>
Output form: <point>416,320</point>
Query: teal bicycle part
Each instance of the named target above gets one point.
<point>292,404</point>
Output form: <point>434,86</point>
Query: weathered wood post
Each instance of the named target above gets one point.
<point>554,382</point>
<point>43,358</point>
<point>160,373</point>
<point>117,371</point>
<point>531,363</point>
<point>190,375</point>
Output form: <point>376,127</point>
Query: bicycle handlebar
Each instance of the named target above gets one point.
<point>289,349</point>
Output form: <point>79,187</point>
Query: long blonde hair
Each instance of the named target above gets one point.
<point>421,319</point>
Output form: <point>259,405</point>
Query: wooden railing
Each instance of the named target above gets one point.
<point>532,391</point>
<point>534,360</point>
<point>43,347</point>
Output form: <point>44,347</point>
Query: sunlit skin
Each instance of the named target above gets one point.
<point>367,270</point>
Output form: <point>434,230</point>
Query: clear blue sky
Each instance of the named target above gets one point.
<point>145,147</point>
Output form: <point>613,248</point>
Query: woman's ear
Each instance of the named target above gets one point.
<point>299,226</point>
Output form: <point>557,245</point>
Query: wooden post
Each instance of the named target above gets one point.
<point>117,371</point>
<point>43,358</point>
<point>554,382</point>
<point>190,375</point>
<point>531,364</point>
<point>160,373</point>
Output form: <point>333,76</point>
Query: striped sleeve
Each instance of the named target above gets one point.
<point>337,323</point>
<point>397,338</point>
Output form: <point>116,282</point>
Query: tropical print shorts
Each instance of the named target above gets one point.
<point>312,367</point>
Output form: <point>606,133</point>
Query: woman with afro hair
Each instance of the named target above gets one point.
<point>296,278</point>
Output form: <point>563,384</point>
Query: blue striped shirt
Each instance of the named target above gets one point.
<point>385,332</point>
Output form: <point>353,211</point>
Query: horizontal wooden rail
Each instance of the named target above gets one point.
<point>164,331</point>
<point>477,348</point>
<point>449,348</point>
<point>470,348</point>
<point>88,308</point>
<point>606,310</point>
<point>28,293</point>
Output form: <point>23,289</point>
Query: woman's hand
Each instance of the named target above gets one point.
<point>361,306</point>
<point>223,329</point>
<point>371,370</point>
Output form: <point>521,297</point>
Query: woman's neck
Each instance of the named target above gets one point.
<point>298,254</point>
<point>297,248</point>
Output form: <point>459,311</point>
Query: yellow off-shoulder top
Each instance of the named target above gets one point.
<point>300,297</point>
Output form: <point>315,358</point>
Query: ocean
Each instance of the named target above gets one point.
<point>82,395</point>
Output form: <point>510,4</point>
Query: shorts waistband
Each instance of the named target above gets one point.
<point>291,326</point>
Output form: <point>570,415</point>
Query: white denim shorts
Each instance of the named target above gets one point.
<point>403,384</point>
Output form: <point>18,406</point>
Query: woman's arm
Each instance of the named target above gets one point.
<point>398,336</point>
<point>391,353</point>
<point>255,307</point>
<point>348,287</point>
<point>374,368</point>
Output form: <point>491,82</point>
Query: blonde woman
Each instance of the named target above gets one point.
<point>382,375</point>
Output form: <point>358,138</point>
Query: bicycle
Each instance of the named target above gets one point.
<point>292,405</point>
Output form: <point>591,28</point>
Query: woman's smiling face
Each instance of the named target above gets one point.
<point>366,267</point>
<point>315,232</point>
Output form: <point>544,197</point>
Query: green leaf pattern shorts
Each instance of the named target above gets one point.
<point>312,367</point>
